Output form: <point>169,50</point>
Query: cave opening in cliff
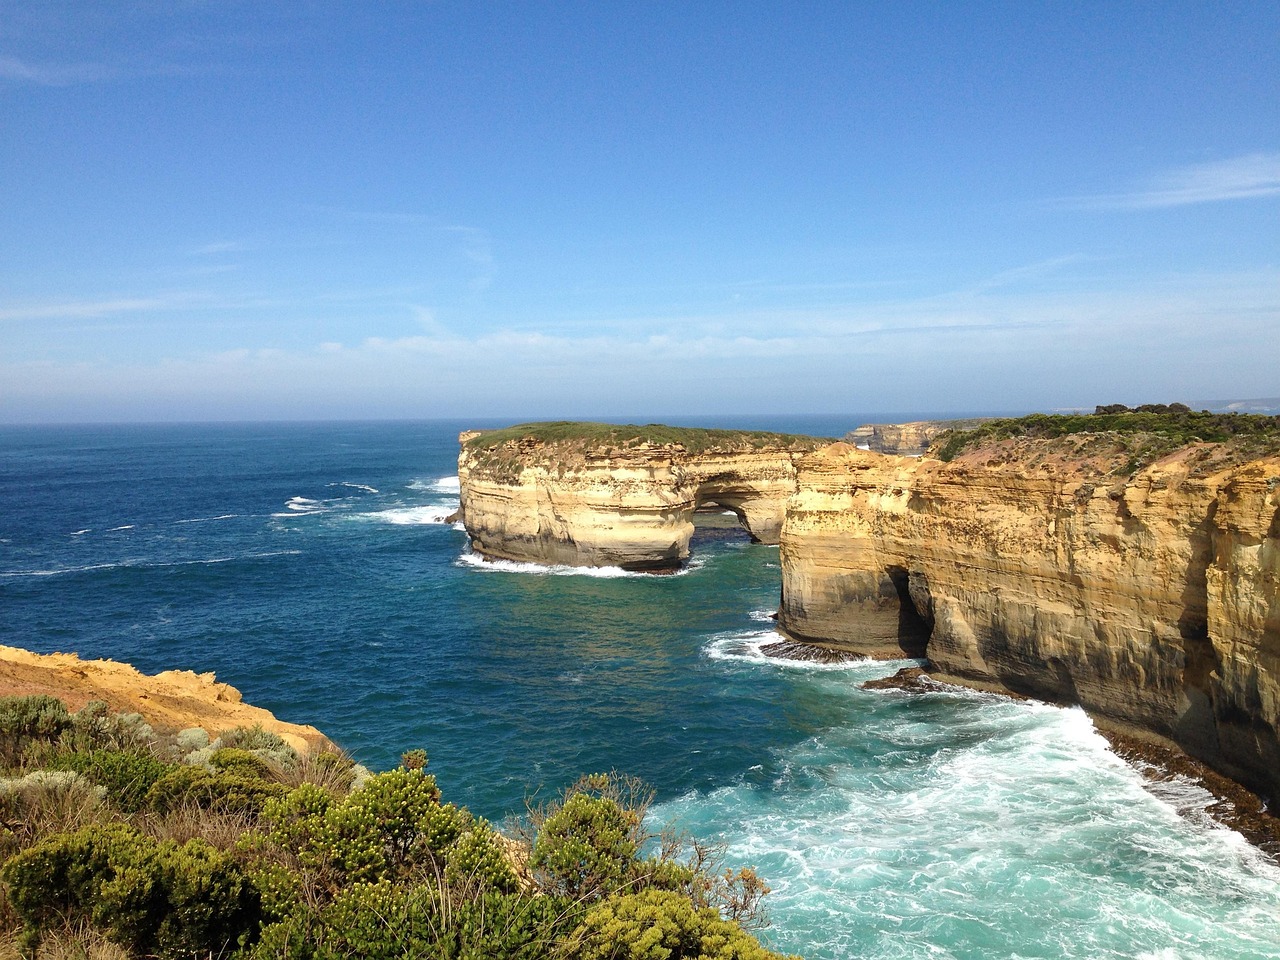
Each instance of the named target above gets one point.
<point>718,523</point>
<point>913,629</point>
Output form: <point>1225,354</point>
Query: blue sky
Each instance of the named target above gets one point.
<point>225,210</point>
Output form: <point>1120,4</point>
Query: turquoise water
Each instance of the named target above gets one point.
<point>309,565</point>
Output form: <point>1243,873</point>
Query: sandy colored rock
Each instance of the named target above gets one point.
<point>906,439</point>
<point>613,505</point>
<point>1150,599</point>
<point>175,699</point>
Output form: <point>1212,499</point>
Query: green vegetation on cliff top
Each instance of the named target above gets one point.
<point>580,434</point>
<point>1152,431</point>
<point>121,841</point>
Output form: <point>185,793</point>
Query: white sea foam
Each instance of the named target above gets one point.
<point>978,831</point>
<point>127,526</point>
<point>407,516</point>
<point>763,616</point>
<point>749,648</point>
<point>225,516</point>
<point>439,485</point>
<point>364,487</point>
<point>470,559</point>
<point>79,533</point>
<point>145,564</point>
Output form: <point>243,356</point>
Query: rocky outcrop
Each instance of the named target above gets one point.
<point>175,699</point>
<point>625,497</point>
<point>905,439</point>
<point>1039,567</point>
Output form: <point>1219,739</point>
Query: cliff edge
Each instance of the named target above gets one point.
<point>1132,574</point>
<point>174,699</point>
<point>590,494</point>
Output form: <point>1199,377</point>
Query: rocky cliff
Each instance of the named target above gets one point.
<point>603,495</point>
<point>1043,566</point>
<point>906,439</point>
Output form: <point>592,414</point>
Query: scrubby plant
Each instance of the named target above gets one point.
<point>126,775</point>
<point>219,792</point>
<point>586,848</point>
<point>95,727</point>
<point>239,762</point>
<point>268,745</point>
<point>155,898</point>
<point>661,925</point>
<point>26,720</point>
<point>478,861</point>
<point>44,802</point>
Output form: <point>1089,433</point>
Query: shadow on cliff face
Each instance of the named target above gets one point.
<point>913,629</point>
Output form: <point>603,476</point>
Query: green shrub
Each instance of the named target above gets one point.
<point>240,763</point>
<point>127,775</point>
<point>152,897</point>
<point>44,802</point>
<point>219,792</point>
<point>478,860</point>
<point>26,720</point>
<point>586,847</point>
<point>262,742</point>
<point>375,829</point>
<point>660,925</point>
<point>95,727</point>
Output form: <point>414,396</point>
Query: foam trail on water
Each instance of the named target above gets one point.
<point>478,562</point>
<point>225,516</point>
<point>146,564</point>
<point>749,648</point>
<point>363,487</point>
<point>406,516</point>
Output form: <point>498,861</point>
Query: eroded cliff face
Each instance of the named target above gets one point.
<point>630,506</point>
<point>1151,600</point>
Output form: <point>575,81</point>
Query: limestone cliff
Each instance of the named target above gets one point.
<point>905,439</point>
<point>1044,567</point>
<point>600,495</point>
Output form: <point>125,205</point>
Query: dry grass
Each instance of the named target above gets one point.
<point>70,943</point>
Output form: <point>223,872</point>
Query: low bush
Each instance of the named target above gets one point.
<point>219,792</point>
<point>126,775</point>
<point>155,898</point>
<point>661,925</point>
<point>27,720</point>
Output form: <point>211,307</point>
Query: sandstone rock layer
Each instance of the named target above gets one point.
<point>1151,600</point>
<point>629,505</point>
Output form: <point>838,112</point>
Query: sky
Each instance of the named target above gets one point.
<point>316,210</point>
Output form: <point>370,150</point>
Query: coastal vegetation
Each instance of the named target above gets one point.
<point>119,840</point>
<point>1145,433</point>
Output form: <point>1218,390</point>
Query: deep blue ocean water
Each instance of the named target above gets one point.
<point>310,566</point>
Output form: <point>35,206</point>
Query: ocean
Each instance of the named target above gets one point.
<point>312,567</point>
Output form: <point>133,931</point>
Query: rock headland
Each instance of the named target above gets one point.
<point>1135,575</point>
<point>588,494</point>
<point>906,439</point>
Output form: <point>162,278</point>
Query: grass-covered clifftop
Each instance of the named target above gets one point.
<point>120,841</point>
<point>502,454</point>
<point>585,435</point>
<point>1135,438</point>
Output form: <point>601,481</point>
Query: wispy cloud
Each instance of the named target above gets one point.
<point>1251,176</point>
<point>88,309</point>
<point>52,74</point>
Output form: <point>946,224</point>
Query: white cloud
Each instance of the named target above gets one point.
<point>89,309</point>
<point>1250,176</point>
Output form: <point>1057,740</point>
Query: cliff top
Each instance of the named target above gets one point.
<point>174,699</point>
<point>1120,442</point>
<point>576,437</point>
